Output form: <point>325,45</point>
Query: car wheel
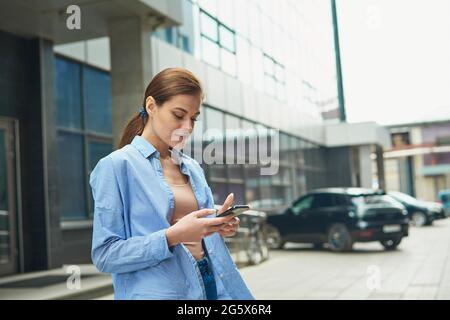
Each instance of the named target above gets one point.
<point>339,239</point>
<point>254,253</point>
<point>418,219</point>
<point>391,244</point>
<point>274,238</point>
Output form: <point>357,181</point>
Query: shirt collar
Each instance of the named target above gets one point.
<point>147,149</point>
<point>144,147</point>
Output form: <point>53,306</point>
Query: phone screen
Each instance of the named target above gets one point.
<point>235,210</point>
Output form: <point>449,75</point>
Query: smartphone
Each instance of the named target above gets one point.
<point>234,210</point>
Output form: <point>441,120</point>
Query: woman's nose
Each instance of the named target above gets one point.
<point>187,125</point>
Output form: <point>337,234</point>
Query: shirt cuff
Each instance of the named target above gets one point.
<point>158,242</point>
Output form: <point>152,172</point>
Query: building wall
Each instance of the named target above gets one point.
<point>422,175</point>
<point>26,97</point>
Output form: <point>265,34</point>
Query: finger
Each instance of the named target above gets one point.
<point>226,230</point>
<point>227,234</point>
<point>214,228</point>
<point>219,221</point>
<point>227,203</point>
<point>235,221</point>
<point>203,213</point>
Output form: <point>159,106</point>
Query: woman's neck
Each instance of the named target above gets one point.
<point>159,145</point>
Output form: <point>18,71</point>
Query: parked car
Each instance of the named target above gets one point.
<point>268,205</point>
<point>421,213</point>
<point>250,240</point>
<point>444,197</point>
<point>340,217</point>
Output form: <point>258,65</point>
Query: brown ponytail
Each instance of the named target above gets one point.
<point>164,85</point>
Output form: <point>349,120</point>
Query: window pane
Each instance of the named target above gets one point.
<point>71,176</point>
<point>268,66</point>
<point>213,119</point>
<point>3,172</point>
<point>228,62</point>
<point>97,100</point>
<point>269,85</point>
<point>243,60</point>
<point>235,171</point>
<point>252,186</point>
<point>210,52</point>
<point>227,38</point>
<point>280,91</point>
<point>97,150</point>
<point>257,69</point>
<point>219,191</point>
<point>68,93</point>
<point>239,192</point>
<point>279,72</point>
<point>208,26</point>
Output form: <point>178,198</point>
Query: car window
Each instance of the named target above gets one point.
<point>323,201</point>
<point>341,200</point>
<point>302,204</point>
<point>374,199</point>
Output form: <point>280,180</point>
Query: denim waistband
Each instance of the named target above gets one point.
<point>203,264</point>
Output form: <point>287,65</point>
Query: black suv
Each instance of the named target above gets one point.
<point>340,217</point>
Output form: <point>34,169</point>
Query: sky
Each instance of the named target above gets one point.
<point>395,57</point>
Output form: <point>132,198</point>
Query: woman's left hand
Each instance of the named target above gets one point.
<point>230,228</point>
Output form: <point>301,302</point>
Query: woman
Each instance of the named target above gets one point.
<point>155,228</point>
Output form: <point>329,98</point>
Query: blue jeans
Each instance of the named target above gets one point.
<point>208,278</point>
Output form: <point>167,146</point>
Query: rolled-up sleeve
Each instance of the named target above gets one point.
<point>112,251</point>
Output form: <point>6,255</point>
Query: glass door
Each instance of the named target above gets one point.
<point>8,248</point>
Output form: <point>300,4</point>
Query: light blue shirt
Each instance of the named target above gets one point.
<point>133,207</point>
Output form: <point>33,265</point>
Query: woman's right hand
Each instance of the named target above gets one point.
<point>193,227</point>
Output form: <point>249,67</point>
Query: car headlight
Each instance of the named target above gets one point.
<point>352,214</point>
<point>362,224</point>
<point>405,212</point>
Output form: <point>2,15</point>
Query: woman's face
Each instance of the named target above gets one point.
<point>173,121</point>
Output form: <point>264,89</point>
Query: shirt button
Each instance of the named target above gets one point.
<point>221,275</point>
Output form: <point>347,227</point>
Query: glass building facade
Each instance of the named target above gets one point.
<point>282,48</point>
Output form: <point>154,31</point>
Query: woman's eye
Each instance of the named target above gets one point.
<point>178,116</point>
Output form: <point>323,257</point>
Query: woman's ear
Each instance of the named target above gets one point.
<point>150,105</point>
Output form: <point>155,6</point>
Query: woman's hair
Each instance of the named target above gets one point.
<point>164,85</point>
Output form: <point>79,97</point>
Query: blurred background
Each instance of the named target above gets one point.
<point>356,90</point>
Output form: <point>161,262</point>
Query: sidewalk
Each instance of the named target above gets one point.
<point>57,284</point>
